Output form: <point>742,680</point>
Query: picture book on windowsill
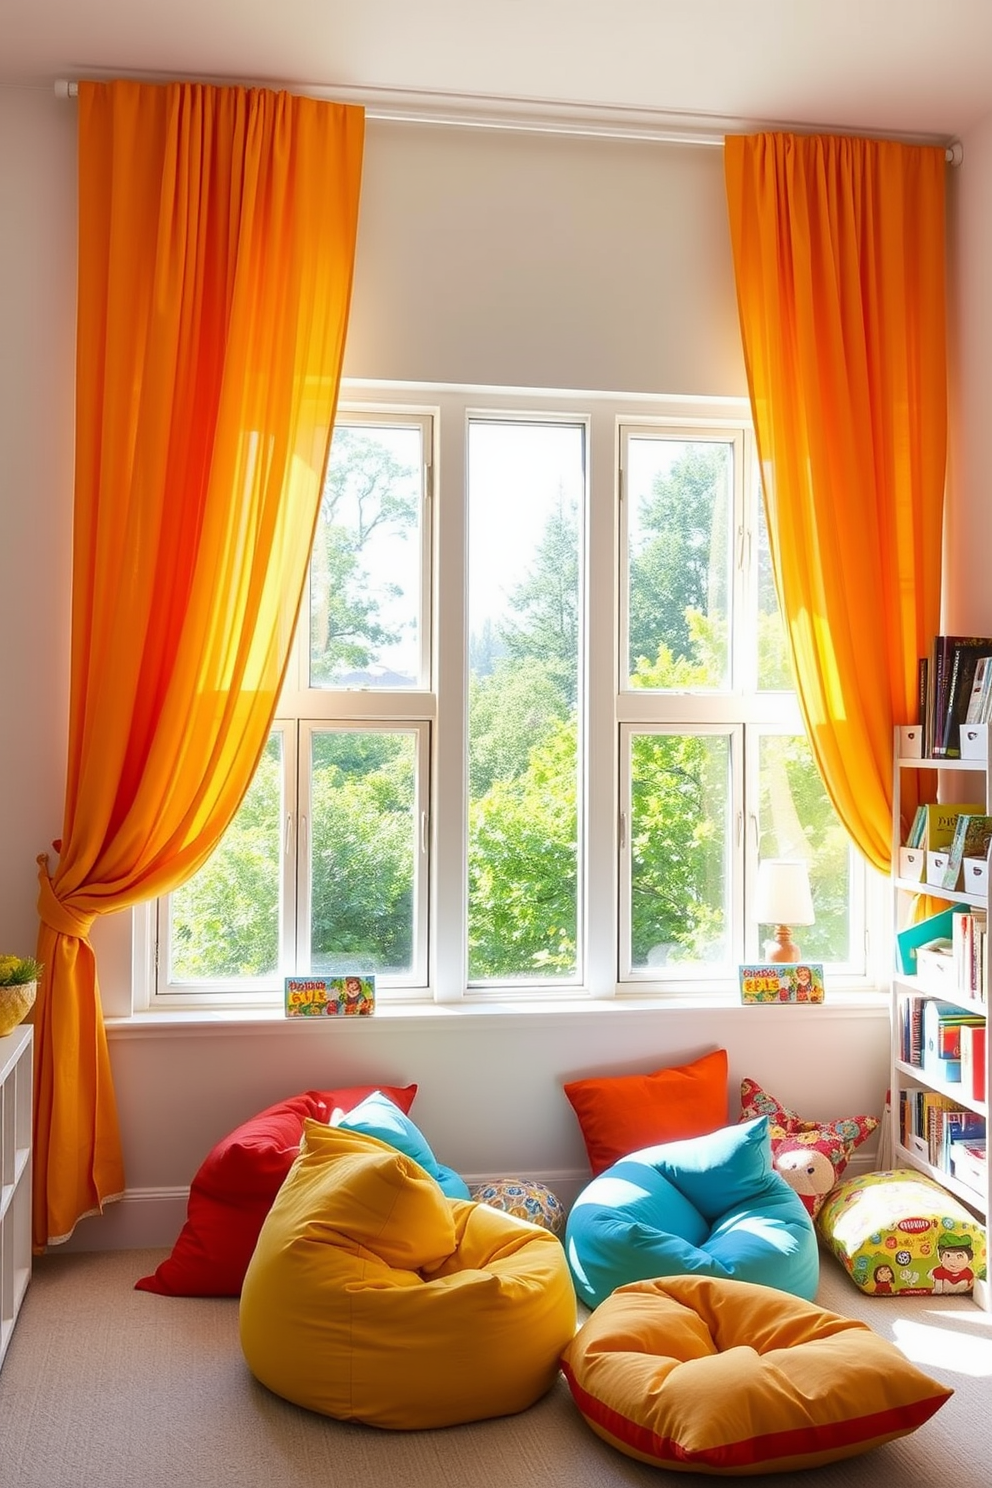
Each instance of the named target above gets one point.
<point>329,997</point>
<point>786,981</point>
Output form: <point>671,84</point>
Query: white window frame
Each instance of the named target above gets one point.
<point>608,707</point>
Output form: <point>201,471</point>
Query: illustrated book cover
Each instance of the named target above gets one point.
<point>786,981</point>
<point>329,997</point>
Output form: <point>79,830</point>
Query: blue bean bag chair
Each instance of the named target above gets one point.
<point>704,1206</point>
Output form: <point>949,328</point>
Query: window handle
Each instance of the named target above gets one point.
<point>623,830</point>
<point>303,834</point>
<point>288,843</point>
<point>423,833</point>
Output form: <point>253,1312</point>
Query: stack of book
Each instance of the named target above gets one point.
<point>946,687</point>
<point>930,1125</point>
<point>942,1028</point>
<point>933,826</point>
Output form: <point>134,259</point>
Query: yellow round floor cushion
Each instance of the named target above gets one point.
<point>373,1297</point>
<point>705,1375</point>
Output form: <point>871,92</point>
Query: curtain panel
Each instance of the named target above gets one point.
<point>217,230</point>
<point>838,247</point>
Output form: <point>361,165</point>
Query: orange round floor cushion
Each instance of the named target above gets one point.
<point>697,1374</point>
<point>373,1297</point>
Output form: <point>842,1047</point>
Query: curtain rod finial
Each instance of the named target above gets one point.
<point>65,89</point>
<point>954,154</point>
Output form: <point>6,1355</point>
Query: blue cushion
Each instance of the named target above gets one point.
<point>378,1116</point>
<point>710,1206</point>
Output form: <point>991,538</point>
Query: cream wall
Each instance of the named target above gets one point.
<point>503,258</point>
<point>968,539</point>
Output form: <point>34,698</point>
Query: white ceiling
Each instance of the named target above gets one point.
<point>910,68</point>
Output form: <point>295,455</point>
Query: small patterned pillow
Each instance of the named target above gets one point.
<point>810,1155</point>
<point>525,1199</point>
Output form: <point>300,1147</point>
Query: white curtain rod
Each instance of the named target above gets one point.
<point>533,117</point>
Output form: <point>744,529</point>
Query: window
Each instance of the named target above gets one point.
<point>539,724</point>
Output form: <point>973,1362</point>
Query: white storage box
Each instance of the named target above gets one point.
<point>976,876</point>
<point>911,741</point>
<point>936,972</point>
<point>911,863</point>
<point>974,741</point>
<point>936,867</point>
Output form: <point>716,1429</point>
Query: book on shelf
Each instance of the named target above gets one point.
<point>911,1032</point>
<point>914,837</point>
<point>972,835</point>
<point>922,693</point>
<point>979,708</point>
<point>958,1126</point>
<point>939,823</point>
<point>942,1024</point>
<point>973,1062</point>
<point>950,685</point>
<point>929,1122</point>
<point>944,1125</point>
<point>968,933</point>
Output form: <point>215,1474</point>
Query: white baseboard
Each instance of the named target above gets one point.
<point>140,1219</point>
<point>148,1218</point>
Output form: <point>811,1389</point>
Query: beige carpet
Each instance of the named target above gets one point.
<point>106,1387</point>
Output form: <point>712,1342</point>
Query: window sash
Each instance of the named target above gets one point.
<point>416,978</point>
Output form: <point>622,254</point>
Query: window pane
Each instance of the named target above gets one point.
<point>774,669</point>
<point>679,514</point>
<point>798,821</point>
<point>363,813</point>
<point>526,491</point>
<point>679,835</point>
<point>365,571</point>
<point>224,921</point>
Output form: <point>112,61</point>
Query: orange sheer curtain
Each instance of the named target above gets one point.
<point>838,248</point>
<point>217,235</point>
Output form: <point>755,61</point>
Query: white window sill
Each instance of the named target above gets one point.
<point>863,1001</point>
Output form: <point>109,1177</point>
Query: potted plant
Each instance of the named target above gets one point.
<point>18,984</point>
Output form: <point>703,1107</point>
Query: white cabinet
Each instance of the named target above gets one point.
<point>16,1055</point>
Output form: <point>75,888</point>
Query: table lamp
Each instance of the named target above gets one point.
<point>783,899</point>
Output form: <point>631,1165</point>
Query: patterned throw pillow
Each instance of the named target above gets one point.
<point>810,1155</point>
<point>525,1198</point>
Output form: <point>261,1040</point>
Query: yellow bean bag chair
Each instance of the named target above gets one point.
<point>372,1297</point>
<point>706,1375</point>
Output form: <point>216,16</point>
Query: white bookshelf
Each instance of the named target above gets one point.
<point>906,1076</point>
<point>16,1055</point>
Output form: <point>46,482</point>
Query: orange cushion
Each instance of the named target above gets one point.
<point>620,1114</point>
<point>697,1374</point>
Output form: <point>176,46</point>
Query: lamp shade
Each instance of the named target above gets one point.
<point>783,894</point>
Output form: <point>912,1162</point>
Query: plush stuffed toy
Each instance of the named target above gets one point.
<point>808,1169</point>
<point>810,1155</point>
